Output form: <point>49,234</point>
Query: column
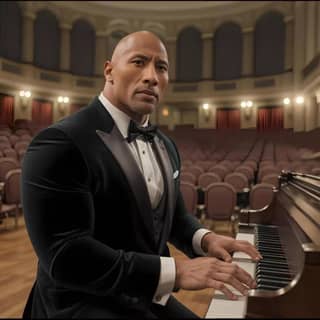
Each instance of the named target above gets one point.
<point>65,47</point>
<point>317,33</point>
<point>27,37</point>
<point>288,59</point>
<point>299,43</point>
<point>171,47</point>
<point>311,113</point>
<point>248,52</point>
<point>310,31</point>
<point>207,56</point>
<point>101,52</point>
<point>299,119</point>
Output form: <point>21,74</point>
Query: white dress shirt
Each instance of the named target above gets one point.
<point>149,167</point>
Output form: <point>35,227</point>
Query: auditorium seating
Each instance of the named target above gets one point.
<point>207,178</point>
<point>7,164</point>
<point>188,177</point>
<point>190,196</point>
<point>207,155</point>
<point>11,199</point>
<point>220,203</point>
<point>238,180</point>
<point>261,195</point>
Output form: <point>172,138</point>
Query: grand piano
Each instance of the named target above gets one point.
<point>288,276</point>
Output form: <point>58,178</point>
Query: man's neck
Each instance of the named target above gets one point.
<point>138,118</point>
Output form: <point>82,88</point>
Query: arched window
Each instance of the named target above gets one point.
<point>269,44</point>
<point>46,41</point>
<point>113,40</point>
<point>82,48</point>
<point>227,52</point>
<point>189,55</point>
<point>10,30</point>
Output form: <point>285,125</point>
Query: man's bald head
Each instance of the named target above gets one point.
<point>128,42</point>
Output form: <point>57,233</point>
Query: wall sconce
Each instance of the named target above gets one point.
<point>299,100</point>
<point>165,112</point>
<point>24,98</point>
<point>206,111</point>
<point>62,102</point>
<point>247,106</point>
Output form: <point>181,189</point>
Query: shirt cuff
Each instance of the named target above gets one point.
<point>196,241</point>
<point>166,280</point>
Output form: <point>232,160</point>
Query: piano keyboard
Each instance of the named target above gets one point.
<point>271,273</point>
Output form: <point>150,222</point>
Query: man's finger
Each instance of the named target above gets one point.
<point>248,248</point>
<point>232,281</point>
<point>223,288</point>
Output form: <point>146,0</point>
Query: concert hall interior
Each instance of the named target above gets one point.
<point>242,106</point>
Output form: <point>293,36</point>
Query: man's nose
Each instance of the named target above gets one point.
<point>150,75</point>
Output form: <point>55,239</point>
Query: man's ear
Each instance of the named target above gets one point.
<point>108,71</point>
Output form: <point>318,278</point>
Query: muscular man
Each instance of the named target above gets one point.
<point>101,200</point>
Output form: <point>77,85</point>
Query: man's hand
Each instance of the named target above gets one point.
<point>208,272</point>
<point>221,246</point>
<point>211,272</point>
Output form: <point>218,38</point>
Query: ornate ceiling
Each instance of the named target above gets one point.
<point>162,10</point>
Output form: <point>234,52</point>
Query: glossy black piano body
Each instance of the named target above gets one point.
<point>295,212</point>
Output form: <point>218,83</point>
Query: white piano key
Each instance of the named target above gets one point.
<point>246,236</point>
<point>224,308</point>
<point>243,236</point>
<point>250,267</point>
<point>221,307</point>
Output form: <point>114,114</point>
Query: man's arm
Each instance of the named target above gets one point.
<point>59,214</point>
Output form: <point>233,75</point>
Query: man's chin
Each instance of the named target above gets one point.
<point>145,108</point>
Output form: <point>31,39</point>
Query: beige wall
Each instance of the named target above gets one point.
<point>288,116</point>
<point>189,117</point>
<point>311,113</point>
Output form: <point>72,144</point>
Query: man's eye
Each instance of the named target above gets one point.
<point>163,68</point>
<point>138,62</point>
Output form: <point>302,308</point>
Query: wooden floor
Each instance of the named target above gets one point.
<point>18,266</point>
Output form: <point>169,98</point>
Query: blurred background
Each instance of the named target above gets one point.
<point>244,87</point>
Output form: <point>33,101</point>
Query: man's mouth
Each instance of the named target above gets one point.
<point>149,93</point>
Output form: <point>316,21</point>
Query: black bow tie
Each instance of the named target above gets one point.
<point>135,131</point>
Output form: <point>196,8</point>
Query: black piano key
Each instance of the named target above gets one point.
<point>276,257</point>
<point>271,251</point>
<point>274,271</point>
<point>272,282</point>
<point>273,277</point>
<point>268,239</point>
<point>268,243</point>
<point>268,287</point>
<point>278,262</point>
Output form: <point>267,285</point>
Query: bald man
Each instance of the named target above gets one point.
<point>101,199</point>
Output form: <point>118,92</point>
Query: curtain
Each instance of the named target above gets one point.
<point>228,119</point>
<point>41,113</point>
<point>270,118</point>
<point>6,110</point>
<point>234,118</point>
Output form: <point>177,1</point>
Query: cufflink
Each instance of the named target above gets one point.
<point>175,174</point>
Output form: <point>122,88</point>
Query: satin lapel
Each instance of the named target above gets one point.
<point>168,175</point>
<point>115,142</point>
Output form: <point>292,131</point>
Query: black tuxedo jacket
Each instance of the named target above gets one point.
<point>88,215</point>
